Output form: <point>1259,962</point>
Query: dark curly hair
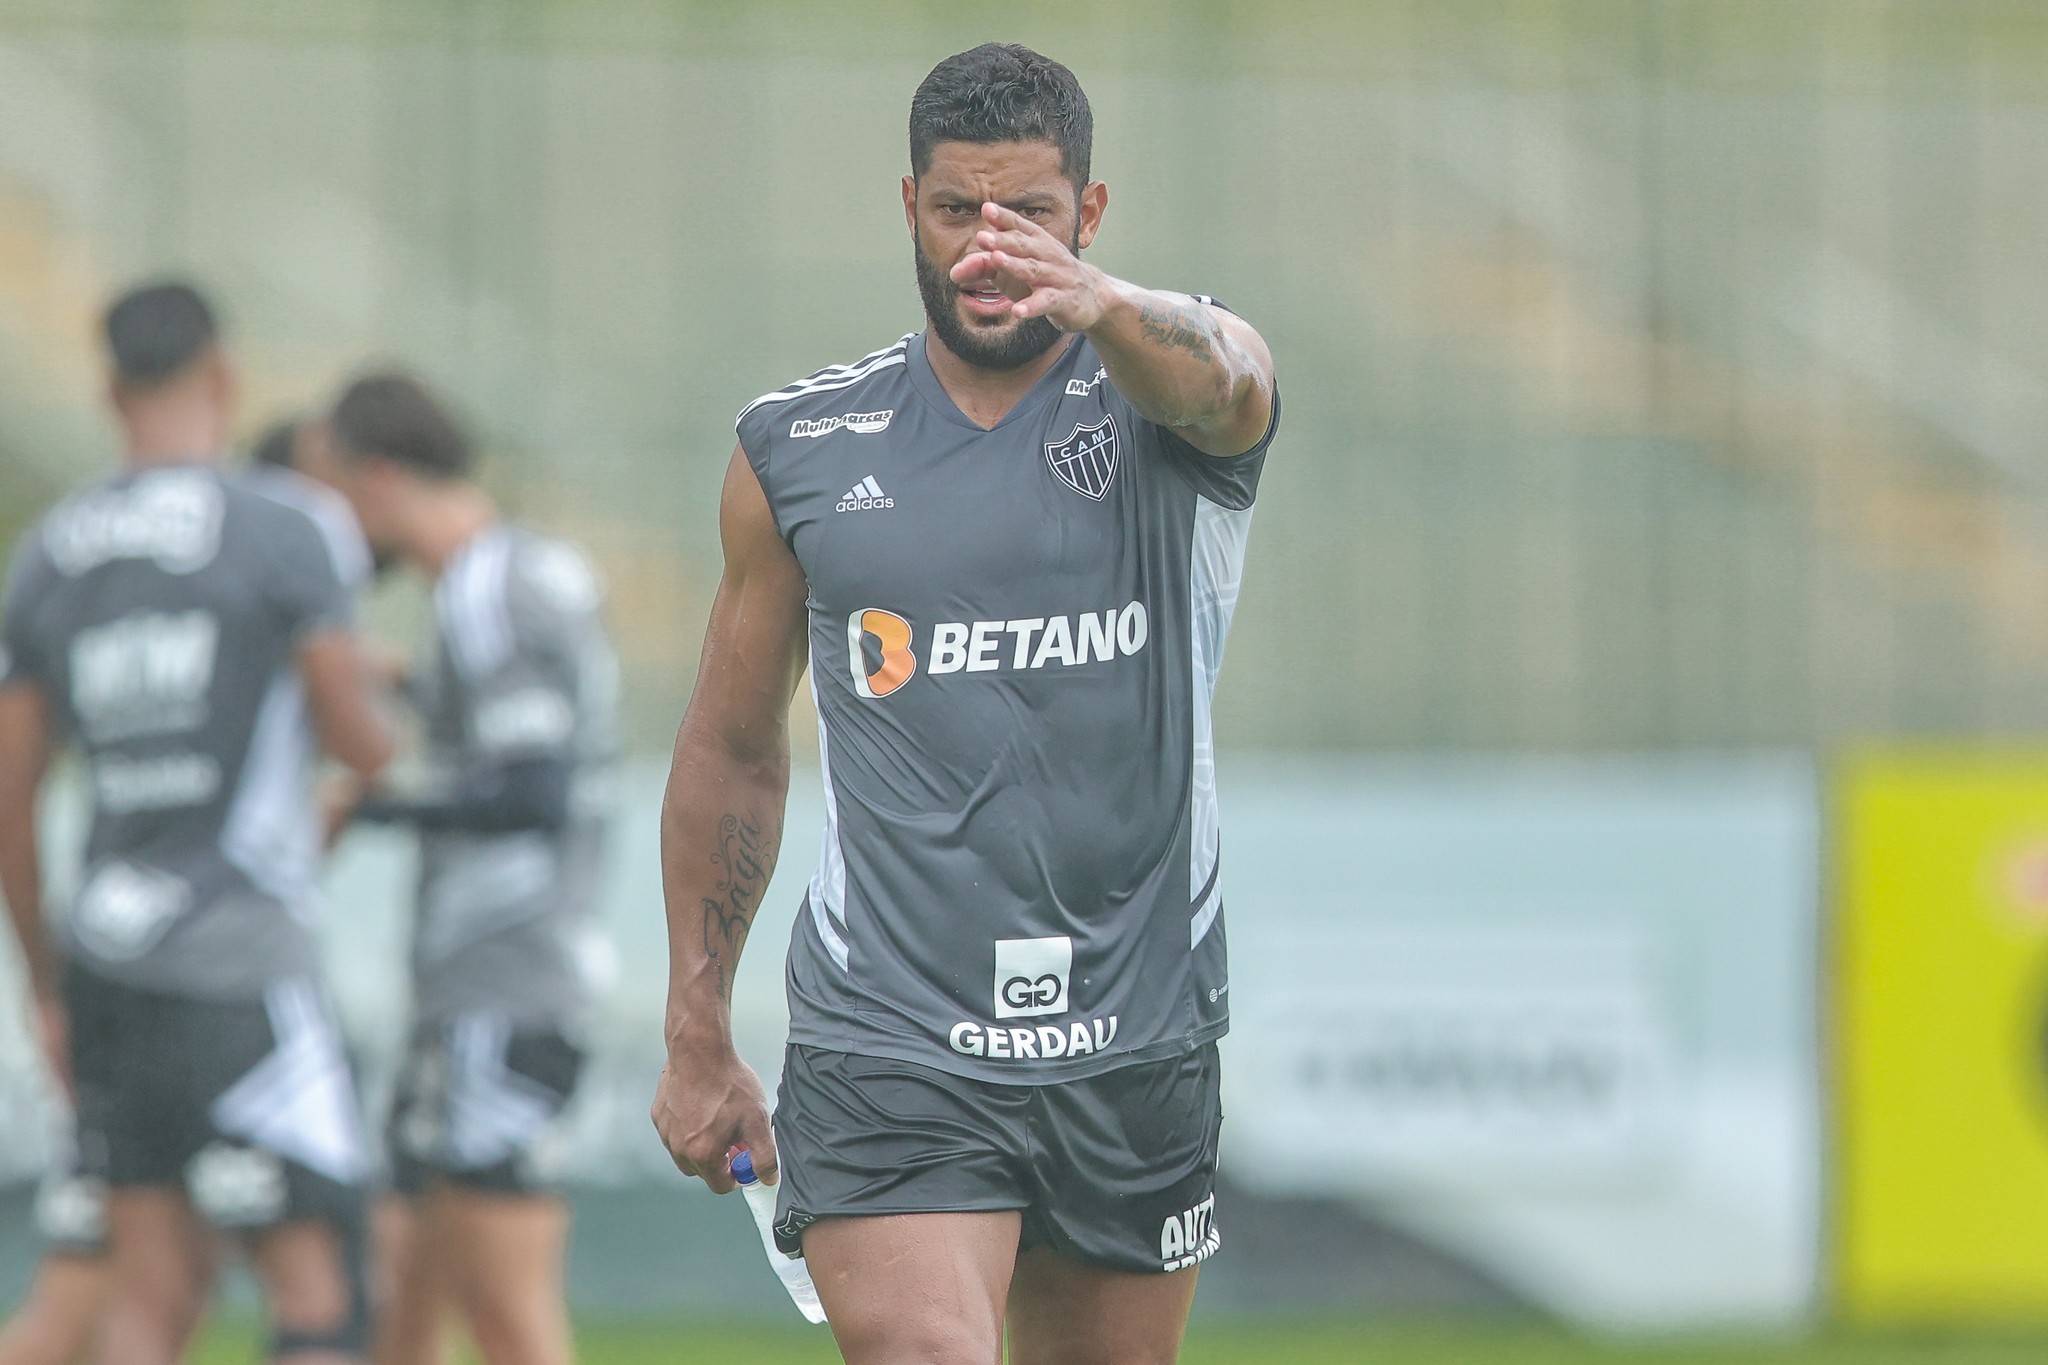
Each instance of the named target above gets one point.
<point>1002,92</point>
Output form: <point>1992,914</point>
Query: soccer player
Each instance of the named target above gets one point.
<point>518,693</point>
<point>1014,542</point>
<point>53,1324</point>
<point>190,632</point>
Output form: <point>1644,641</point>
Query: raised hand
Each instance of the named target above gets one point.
<point>1036,270</point>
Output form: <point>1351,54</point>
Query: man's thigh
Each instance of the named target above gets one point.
<point>502,1258</point>
<point>1066,1313</point>
<point>915,1286</point>
<point>160,1268</point>
<point>503,1244</point>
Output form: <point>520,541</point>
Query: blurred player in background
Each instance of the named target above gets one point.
<point>53,1324</point>
<point>1017,538</point>
<point>189,630</point>
<point>517,689</point>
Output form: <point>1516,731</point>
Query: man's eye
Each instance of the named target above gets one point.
<point>957,210</point>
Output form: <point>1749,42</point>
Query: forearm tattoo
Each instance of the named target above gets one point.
<point>729,912</point>
<point>1181,326</point>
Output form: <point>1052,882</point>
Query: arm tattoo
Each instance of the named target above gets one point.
<point>1179,326</point>
<point>729,913</point>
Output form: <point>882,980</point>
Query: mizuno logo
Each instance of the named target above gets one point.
<point>865,496</point>
<point>859,423</point>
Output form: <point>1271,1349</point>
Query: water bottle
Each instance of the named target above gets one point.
<point>761,1203</point>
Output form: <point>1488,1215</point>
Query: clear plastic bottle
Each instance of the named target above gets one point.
<point>760,1199</point>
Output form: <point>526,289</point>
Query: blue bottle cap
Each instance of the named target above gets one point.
<point>742,1166</point>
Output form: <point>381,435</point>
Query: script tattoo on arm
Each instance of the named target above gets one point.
<point>1180,326</point>
<point>729,914</point>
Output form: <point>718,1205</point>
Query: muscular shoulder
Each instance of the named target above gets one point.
<point>317,504</point>
<point>551,580</point>
<point>824,401</point>
<point>514,591</point>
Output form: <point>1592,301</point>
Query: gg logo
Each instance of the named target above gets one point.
<point>1024,995</point>
<point>892,634</point>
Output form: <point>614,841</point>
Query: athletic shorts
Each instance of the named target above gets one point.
<point>479,1105</point>
<point>1116,1170</point>
<point>246,1106</point>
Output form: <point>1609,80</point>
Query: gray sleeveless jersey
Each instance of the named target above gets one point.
<point>161,613</point>
<point>1014,637</point>
<point>518,666</point>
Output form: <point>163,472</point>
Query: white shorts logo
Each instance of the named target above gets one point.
<point>125,909</point>
<point>237,1187</point>
<point>1031,975</point>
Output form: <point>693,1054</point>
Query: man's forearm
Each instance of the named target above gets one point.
<point>21,884</point>
<point>721,827</point>
<point>1171,357</point>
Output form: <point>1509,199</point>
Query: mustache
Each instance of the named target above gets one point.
<point>986,344</point>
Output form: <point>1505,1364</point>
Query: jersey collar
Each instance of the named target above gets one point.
<point>1049,386</point>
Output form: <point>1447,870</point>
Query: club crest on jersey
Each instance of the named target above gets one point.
<point>1086,460</point>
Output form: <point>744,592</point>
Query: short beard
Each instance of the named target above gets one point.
<point>991,348</point>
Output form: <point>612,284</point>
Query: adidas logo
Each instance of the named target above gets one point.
<point>864,496</point>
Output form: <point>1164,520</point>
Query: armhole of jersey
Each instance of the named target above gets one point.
<point>1207,474</point>
<point>759,464</point>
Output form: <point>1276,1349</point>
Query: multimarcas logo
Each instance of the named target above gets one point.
<point>882,648</point>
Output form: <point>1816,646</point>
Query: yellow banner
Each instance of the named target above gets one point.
<point>1941,957</point>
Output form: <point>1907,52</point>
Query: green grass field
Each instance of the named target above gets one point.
<point>1287,1343</point>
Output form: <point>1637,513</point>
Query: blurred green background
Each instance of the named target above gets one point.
<point>1659,372</point>
<point>1661,375</point>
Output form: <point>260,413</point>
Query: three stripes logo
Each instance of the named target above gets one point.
<point>865,496</point>
<point>1086,460</point>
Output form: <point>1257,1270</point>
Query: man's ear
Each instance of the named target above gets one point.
<point>910,204</point>
<point>1094,199</point>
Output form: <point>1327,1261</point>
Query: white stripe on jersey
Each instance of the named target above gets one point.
<point>470,600</point>
<point>834,376</point>
<point>271,831</point>
<point>1215,569</point>
<point>828,883</point>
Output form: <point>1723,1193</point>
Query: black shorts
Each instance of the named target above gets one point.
<point>479,1105</point>
<point>246,1106</point>
<point>1115,1170</point>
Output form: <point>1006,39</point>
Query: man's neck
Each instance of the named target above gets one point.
<point>449,518</point>
<point>985,397</point>
<point>173,433</point>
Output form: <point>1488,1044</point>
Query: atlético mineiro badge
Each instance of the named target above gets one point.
<point>1086,460</point>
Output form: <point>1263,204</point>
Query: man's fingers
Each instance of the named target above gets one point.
<point>1023,272</point>
<point>1007,220</point>
<point>1038,303</point>
<point>1040,246</point>
<point>717,1176</point>
<point>981,265</point>
<point>759,1136</point>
